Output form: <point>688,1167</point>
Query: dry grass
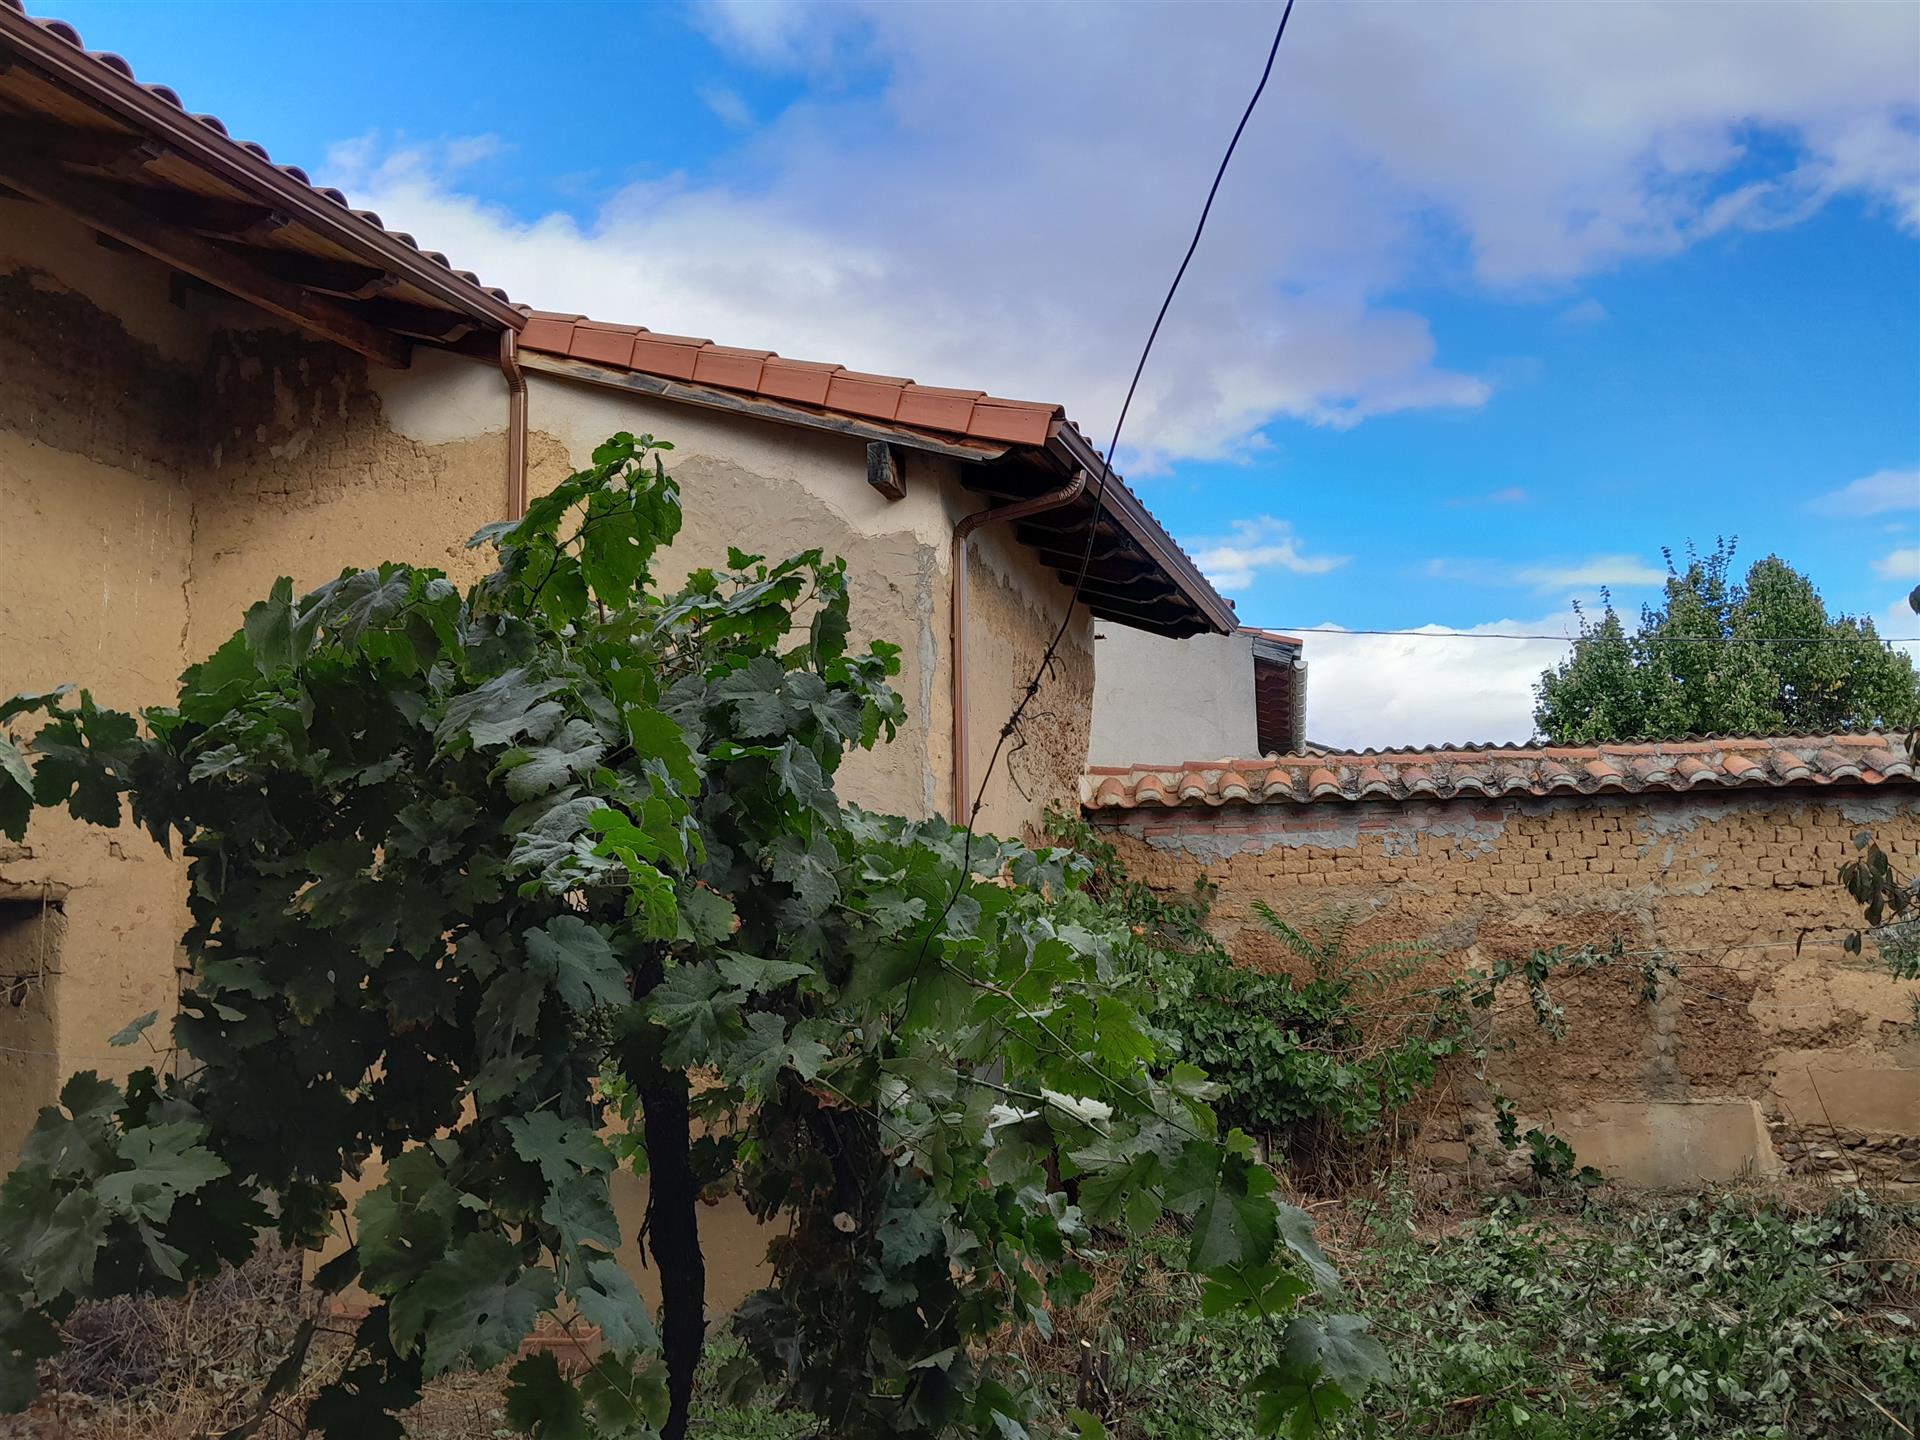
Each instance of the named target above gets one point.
<point>193,1367</point>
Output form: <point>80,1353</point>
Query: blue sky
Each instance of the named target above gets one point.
<point>1498,300</point>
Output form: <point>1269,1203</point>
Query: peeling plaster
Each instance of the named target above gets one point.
<point>1875,809</point>
<point>1467,835</point>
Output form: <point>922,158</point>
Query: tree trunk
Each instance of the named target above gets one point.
<point>673,1239</point>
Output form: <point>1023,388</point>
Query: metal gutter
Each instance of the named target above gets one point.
<point>957,668</point>
<point>516,426</point>
<point>1070,447</point>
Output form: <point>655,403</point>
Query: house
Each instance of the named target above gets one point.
<point>1158,700</point>
<point>213,372</point>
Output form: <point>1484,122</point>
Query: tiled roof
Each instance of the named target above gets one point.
<point>891,398</point>
<point>14,12</point>
<point>1493,771</point>
<point>1148,581</point>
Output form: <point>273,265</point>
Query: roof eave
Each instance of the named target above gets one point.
<point>1071,448</point>
<point>80,72</point>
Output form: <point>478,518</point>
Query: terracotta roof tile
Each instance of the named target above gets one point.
<point>608,344</point>
<point>893,398</point>
<point>875,396</point>
<point>802,380</point>
<point>1020,424</point>
<point>729,368</point>
<point>551,333</point>
<point>932,408</point>
<point>1440,773</point>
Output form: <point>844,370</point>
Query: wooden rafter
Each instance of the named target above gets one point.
<point>107,209</point>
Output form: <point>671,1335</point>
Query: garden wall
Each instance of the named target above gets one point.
<point>1764,1047</point>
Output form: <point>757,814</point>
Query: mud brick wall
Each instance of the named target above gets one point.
<point>1769,1049</point>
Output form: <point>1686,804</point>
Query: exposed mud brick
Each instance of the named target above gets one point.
<point>1732,985</point>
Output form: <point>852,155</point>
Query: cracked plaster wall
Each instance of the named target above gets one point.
<point>1759,1041</point>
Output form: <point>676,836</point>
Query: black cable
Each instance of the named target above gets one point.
<point>1577,639</point>
<point>1093,522</point>
<point>1106,461</point>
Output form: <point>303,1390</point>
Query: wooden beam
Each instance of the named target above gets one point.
<point>118,157</point>
<point>82,76</point>
<point>225,219</point>
<point>109,210</point>
<point>1069,566</point>
<point>112,151</point>
<point>342,279</point>
<point>424,322</point>
<point>1059,549</point>
<point>887,469</point>
<point>1128,595</point>
<point>1172,619</point>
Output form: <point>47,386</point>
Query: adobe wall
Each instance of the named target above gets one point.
<point>325,464</point>
<point>1769,1048</point>
<point>96,528</point>
<point>165,453</point>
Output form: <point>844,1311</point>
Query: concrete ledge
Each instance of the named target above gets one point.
<point>1671,1143</point>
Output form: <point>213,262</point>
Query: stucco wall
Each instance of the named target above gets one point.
<point>96,531</point>
<point>1770,1047</point>
<point>1158,701</point>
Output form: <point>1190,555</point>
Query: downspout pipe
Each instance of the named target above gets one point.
<point>1019,510</point>
<point>516,425</point>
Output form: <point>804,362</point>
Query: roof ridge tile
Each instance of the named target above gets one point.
<point>1435,773</point>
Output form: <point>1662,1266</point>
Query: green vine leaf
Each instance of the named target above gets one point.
<point>475,1305</point>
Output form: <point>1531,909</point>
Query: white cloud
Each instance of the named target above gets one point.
<point>1438,685</point>
<point>727,105</point>
<point>992,217</point>
<point>1586,576</point>
<point>1511,495</point>
<point>1585,312</point>
<point>1899,565</point>
<point>1875,494</point>
<point>1620,570</point>
<point>1899,622</point>
<point>1263,543</point>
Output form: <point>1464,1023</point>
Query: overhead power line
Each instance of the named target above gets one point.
<point>1106,461</point>
<point>1099,503</point>
<point>1574,639</point>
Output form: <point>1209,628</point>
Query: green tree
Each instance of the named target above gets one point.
<point>474,876</point>
<point>1722,656</point>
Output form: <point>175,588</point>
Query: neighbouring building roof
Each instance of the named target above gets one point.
<point>80,134</point>
<point>1495,771</point>
<point>1279,692</point>
<point>1009,450</point>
